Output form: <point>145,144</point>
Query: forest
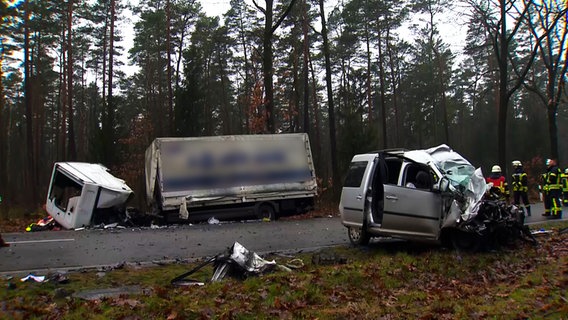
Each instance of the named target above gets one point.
<point>356,75</point>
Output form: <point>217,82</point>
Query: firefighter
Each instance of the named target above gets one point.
<point>499,182</point>
<point>520,186</point>
<point>544,190</point>
<point>565,187</point>
<point>554,186</point>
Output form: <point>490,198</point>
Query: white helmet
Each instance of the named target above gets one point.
<point>496,168</point>
<point>517,163</point>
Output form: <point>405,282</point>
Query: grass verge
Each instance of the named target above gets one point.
<point>397,280</point>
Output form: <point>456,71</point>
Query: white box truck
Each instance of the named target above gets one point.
<point>264,176</point>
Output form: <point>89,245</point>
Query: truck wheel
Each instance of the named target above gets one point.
<point>358,236</point>
<point>266,212</point>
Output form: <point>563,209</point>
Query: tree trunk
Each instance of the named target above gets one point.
<point>394,84</point>
<point>503,94</point>
<point>31,177</point>
<point>317,140</point>
<point>305,69</point>
<point>369,81</point>
<point>3,131</point>
<point>267,62</point>
<point>553,130</point>
<point>109,132</point>
<point>440,76</point>
<point>330,106</point>
<point>267,68</point>
<point>382,83</point>
<point>72,151</point>
<point>169,50</point>
<point>294,110</point>
<point>62,143</point>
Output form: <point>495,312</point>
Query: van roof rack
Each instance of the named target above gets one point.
<point>391,150</point>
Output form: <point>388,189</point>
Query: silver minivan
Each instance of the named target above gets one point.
<point>430,195</point>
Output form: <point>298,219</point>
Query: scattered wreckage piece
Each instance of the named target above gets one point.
<point>99,294</point>
<point>84,194</point>
<point>47,223</point>
<point>431,195</point>
<point>238,262</point>
<point>324,259</point>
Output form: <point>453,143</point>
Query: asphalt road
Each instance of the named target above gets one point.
<point>42,251</point>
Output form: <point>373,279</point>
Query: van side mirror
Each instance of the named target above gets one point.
<point>444,185</point>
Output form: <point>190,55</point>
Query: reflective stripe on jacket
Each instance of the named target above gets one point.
<point>553,178</point>
<point>520,182</point>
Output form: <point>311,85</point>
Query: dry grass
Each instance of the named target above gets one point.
<point>383,281</point>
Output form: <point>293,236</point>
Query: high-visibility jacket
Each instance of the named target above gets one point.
<point>500,183</point>
<point>520,181</point>
<point>564,179</point>
<point>553,178</point>
<point>543,186</point>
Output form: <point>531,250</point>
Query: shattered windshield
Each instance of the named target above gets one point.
<point>458,172</point>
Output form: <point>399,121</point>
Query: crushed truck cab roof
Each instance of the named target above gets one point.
<point>82,194</point>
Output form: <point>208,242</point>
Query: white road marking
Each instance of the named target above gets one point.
<point>40,241</point>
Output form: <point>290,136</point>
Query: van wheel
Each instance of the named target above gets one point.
<point>466,241</point>
<point>266,212</point>
<point>358,236</point>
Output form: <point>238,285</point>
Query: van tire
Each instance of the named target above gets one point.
<point>466,241</point>
<point>266,212</point>
<point>358,236</point>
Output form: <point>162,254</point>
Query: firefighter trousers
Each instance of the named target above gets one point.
<point>522,195</point>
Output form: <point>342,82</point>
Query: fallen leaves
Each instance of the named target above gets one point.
<point>375,284</point>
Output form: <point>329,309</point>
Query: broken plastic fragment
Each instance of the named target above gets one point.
<point>31,277</point>
<point>213,220</point>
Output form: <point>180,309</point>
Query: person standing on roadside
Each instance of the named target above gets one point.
<point>520,186</point>
<point>498,180</point>
<point>543,191</point>
<point>554,186</point>
<point>565,187</point>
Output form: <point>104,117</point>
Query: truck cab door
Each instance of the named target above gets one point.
<point>81,208</point>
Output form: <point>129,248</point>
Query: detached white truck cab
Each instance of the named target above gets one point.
<point>83,194</point>
<point>229,177</point>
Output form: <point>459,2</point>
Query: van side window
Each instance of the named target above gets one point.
<point>393,167</point>
<point>355,174</point>
<point>418,177</point>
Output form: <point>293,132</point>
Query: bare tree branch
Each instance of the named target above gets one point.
<point>261,9</point>
<point>283,16</point>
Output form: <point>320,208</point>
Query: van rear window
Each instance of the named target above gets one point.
<point>355,174</point>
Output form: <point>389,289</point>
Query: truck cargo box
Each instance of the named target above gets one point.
<point>270,173</point>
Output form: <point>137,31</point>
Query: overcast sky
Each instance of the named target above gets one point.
<point>451,26</point>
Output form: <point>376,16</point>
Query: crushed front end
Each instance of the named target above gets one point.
<point>476,216</point>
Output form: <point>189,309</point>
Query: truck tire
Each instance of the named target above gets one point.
<point>358,236</point>
<point>266,212</point>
